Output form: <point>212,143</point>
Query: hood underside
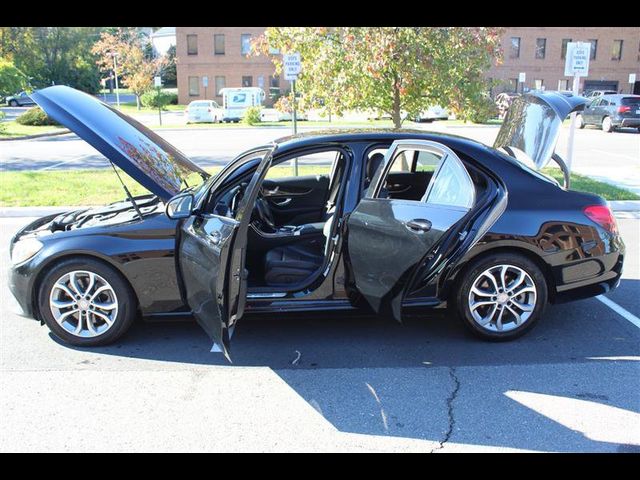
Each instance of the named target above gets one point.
<point>532,124</point>
<point>144,155</point>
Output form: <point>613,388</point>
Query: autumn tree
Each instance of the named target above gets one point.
<point>135,66</point>
<point>388,69</point>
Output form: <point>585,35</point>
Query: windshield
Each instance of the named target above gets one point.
<point>236,167</point>
<point>631,101</point>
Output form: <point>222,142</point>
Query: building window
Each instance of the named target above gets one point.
<point>245,43</point>
<point>513,84</point>
<point>192,44</point>
<point>616,52</point>
<point>563,52</point>
<point>594,49</point>
<point>221,82</point>
<point>194,86</point>
<point>247,81</point>
<point>218,44</point>
<point>274,51</point>
<point>515,47</point>
<point>563,84</point>
<point>537,84</point>
<point>261,81</point>
<point>541,47</point>
<point>274,81</point>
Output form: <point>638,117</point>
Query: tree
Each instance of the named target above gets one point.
<point>53,55</point>
<point>135,67</point>
<point>388,69</point>
<point>12,79</point>
<point>170,74</point>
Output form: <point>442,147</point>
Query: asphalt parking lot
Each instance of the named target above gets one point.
<point>331,383</point>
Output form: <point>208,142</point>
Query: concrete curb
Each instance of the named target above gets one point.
<point>39,135</point>
<point>616,206</point>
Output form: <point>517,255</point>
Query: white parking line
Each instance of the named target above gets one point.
<point>619,310</point>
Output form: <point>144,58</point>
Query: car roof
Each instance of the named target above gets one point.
<point>621,95</point>
<point>372,135</point>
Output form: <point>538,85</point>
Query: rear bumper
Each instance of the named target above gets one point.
<point>627,122</point>
<point>590,276</point>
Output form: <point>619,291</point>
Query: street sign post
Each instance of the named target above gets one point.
<point>632,81</point>
<point>292,66</point>
<point>205,84</point>
<point>522,77</point>
<point>157,81</point>
<point>576,65</point>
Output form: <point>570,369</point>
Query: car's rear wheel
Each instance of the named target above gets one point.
<point>581,123</point>
<point>607,126</point>
<point>13,103</point>
<point>501,296</point>
<point>86,303</point>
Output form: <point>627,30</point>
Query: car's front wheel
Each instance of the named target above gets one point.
<point>502,296</point>
<point>86,303</point>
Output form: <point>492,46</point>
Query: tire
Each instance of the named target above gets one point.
<point>120,294</point>
<point>581,123</point>
<point>607,126</point>
<point>13,103</point>
<point>508,328</point>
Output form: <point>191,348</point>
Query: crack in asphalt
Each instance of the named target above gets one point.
<point>450,400</point>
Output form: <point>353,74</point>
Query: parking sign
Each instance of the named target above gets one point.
<point>291,65</point>
<point>577,60</point>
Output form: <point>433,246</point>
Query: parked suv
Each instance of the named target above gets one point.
<point>612,112</point>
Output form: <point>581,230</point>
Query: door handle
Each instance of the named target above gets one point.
<point>418,225</point>
<point>282,203</point>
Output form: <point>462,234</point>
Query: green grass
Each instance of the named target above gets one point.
<point>13,129</point>
<point>586,184</point>
<point>99,187</point>
<point>130,107</point>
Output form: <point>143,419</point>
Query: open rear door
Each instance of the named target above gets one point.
<point>387,238</point>
<point>211,255</point>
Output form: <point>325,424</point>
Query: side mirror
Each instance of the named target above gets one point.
<point>180,206</point>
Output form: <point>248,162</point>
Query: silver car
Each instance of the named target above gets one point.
<point>20,99</point>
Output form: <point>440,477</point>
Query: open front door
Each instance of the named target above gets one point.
<point>211,255</point>
<point>388,236</point>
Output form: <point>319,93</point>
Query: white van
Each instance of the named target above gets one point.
<point>235,101</point>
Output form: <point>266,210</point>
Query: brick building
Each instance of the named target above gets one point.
<point>540,53</point>
<point>220,54</point>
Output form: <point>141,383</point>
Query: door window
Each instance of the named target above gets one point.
<point>435,176</point>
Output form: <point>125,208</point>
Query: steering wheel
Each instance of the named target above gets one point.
<point>264,211</point>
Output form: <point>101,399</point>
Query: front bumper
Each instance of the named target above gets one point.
<point>20,285</point>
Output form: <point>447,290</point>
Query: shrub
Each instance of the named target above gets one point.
<point>252,115</point>
<point>3,127</point>
<point>35,116</point>
<point>483,110</point>
<point>155,99</point>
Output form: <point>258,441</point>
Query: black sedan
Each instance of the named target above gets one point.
<point>384,221</point>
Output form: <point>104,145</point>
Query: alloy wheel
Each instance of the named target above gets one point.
<point>83,303</point>
<point>502,298</point>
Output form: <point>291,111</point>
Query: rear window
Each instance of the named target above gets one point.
<point>631,101</point>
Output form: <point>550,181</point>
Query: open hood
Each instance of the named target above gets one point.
<point>532,124</point>
<point>145,156</point>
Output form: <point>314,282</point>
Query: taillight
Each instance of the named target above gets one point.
<point>603,216</point>
<point>624,108</point>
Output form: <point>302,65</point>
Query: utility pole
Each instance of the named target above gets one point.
<point>115,72</point>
